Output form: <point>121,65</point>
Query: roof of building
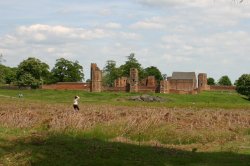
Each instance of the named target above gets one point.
<point>183,76</point>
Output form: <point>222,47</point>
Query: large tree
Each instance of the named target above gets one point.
<point>153,71</point>
<point>210,81</point>
<point>32,72</point>
<point>110,73</point>
<point>243,85</point>
<point>67,71</point>
<point>225,81</point>
<point>132,62</point>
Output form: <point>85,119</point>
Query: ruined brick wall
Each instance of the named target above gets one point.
<point>120,82</point>
<point>148,82</point>
<point>133,80</point>
<point>221,88</point>
<point>164,86</point>
<point>68,86</point>
<point>96,79</point>
<point>145,89</point>
<point>202,82</point>
<point>151,82</point>
<point>183,85</point>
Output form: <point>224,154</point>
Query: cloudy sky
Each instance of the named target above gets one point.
<point>211,36</point>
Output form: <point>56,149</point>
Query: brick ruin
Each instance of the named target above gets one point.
<point>133,80</point>
<point>96,78</point>
<point>179,83</point>
<point>202,82</point>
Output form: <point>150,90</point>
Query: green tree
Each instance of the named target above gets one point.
<point>32,72</point>
<point>7,74</point>
<point>67,71</point>
<point>10,76</point>
<point>224,80</point>
<point>164,76</point>
<point>243,85</point>
<point>110,73</point>
<point>210,81</point>
<point>132,62</point>
<point>153,71</point>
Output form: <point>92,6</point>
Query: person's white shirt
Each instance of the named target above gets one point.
<point>76,100</point>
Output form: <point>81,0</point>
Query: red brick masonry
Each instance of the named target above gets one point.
<point>68,86</point>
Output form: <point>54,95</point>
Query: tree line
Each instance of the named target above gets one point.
<point>32,72</point>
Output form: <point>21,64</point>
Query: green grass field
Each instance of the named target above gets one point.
<point>203,100</point>
<point>211,128</point>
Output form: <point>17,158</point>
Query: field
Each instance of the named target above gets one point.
<point>212,128</point>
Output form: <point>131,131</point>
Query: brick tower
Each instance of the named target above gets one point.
<point>202,81</point>
<point>134,80</point>
<point>96,79</point>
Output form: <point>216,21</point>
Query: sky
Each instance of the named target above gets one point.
<point>204,36</point>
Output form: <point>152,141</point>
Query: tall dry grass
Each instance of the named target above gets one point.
<point>164,125</point>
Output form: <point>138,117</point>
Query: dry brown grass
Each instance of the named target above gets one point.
<point>157,125</point>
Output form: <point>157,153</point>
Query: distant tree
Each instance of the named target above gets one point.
<point>164,76</point>
<point>243,85</point>
<point>110,73</point>
<point>67,71</point>
<point>210,81</point>
<point>88,81</point>
<point>132,62</point>
<point>10,76</point>
<point>224,80</point>
<point>153,71</point>
<point>32,72</point>
<point>7,74</point>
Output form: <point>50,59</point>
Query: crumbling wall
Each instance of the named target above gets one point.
<point>96,79</point>
<point>183,85</point>
<point>151,82</point>
<point>202,82</point>
<point>221,88</point>
<point>120,82</point>
<point>68,86</point>
<point>133,80</point>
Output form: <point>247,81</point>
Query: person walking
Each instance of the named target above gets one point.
<point>75,104</point>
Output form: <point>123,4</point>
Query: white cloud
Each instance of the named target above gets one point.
<point>40,32</point>
<point>129,35</point>
<point>152,23</point>
<point>194,3</point>
<point>113,25</point>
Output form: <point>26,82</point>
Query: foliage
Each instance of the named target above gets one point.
<point>67,71</point>
<point>7,74</point>
<point>32,72</point>
<point>243,85</point>
<point>110,73</point>
<point>210,81</point>
<point>153,71</point>
<point>132,62</point>
<point>10,76</point>
<point>164,76</point>
<point>225,81</point>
